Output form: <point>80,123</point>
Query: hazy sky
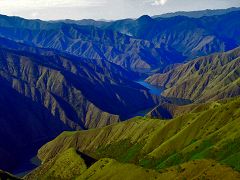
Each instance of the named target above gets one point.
<point>104,9</point>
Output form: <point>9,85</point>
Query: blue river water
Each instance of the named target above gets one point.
<point>152,89</point>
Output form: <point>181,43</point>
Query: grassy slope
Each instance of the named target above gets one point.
<point>169,111</point>
<point>66,165</point>
<point>106,169</point>
<point>111,169</point>
<point>207,78</point>
<point>210,131</point>
<point>122,139</point>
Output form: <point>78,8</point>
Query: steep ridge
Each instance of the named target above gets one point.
<point>42,83</point>
<point>192,37</point>
<point>33,123</point>
<point>170,111</point>
<point>105,66</point>
<point>67,165</point>
<point>90,42</point>
<point>92,74</point>
<point>209,131</point>
<point>204,79</point>
<point>50,92</point>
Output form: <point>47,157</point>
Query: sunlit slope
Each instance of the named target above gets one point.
<point>69,165</point>
<point>66,165</point>
<point>117,141</point>
<point>207,78</point>
<point>111,169</point>
<point>210,131</point>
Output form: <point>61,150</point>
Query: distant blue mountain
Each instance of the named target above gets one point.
<point>90,42</point>
<point>192,37</point>
<point>143,44</point>
<point>198,14</point>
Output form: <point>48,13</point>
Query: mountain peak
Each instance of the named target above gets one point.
<point>144,18</point>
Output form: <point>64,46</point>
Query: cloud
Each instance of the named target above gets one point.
<point>159,2</point>
<point>39,4</point>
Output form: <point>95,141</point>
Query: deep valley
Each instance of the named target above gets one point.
<point>155,97</point>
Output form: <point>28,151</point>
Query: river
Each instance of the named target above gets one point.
<point>152,89</point>
<point>156,91</point>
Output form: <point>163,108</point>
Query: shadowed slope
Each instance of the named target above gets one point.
<point>7,176</point>
<point>169,111</point>
<point>50,92</point>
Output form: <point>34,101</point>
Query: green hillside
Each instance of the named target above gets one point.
<point>204,79</point>
<point>208,132</point>
<point>111,169</point>
<point>66,165</point>
<point>201,169</point>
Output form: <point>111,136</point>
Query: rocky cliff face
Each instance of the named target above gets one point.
<point>204,79</point>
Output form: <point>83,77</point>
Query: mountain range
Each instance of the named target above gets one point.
<point>79,87</point>
<point>192,37</point>
<point>143,44</point>
<point>89,42</point>
<point>198,14</point>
